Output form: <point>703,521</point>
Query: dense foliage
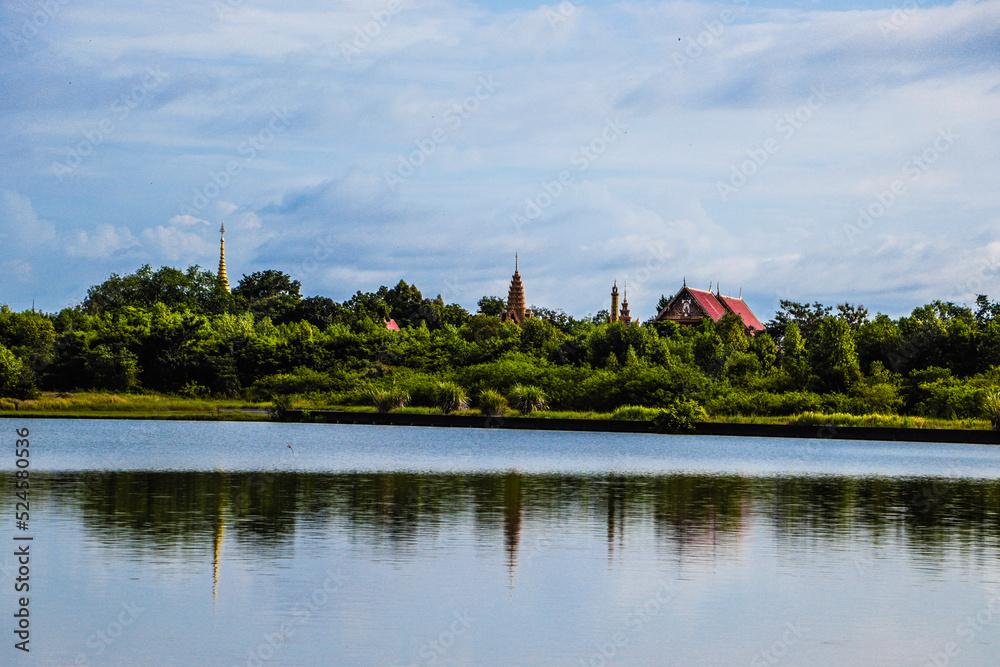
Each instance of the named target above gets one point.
<point>178,332</point>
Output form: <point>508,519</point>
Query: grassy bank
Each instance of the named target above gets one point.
<point>158,406</point>
<point>129,406</point>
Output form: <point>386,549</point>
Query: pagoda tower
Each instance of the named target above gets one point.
<point>625,317</point>
<point>515,311</point>
<point>222,277</point>
<point>614,303</point>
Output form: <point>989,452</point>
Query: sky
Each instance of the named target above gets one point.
<point>810,151</point>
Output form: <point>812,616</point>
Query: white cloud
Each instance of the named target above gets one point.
<point>103,242</point>
<point>175,244</point>
<point>20,226</point>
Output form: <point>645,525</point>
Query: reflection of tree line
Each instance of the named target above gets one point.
<point>264,510</point>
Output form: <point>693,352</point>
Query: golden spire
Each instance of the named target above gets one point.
<point>614,303</point>
<point>222,277</point>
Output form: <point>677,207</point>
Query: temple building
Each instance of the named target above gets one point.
<point>222,277</point>
<point>690,306</point>
<point>515,311</point>
<point>623,314</point>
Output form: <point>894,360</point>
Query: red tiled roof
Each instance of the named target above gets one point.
<point>740,307</point>
<point>708,302</point>
<point>391,325</point>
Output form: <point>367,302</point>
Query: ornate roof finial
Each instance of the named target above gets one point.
<point>222,277</point>
<point>709,285</point>
<point>741,293</point>
<point>515,262</point>
<point>685,281</point>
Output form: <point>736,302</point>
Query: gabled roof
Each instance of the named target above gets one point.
<point>707,301</point>
<point>739,307</point>
<point>714,306</point>
<point>391,325</point>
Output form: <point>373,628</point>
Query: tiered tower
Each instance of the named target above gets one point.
<point>625,317</point>
<point>614,303</point>
<point>222,277</point>
<point>515,311</point>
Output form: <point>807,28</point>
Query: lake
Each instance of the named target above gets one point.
<point>215,543</point>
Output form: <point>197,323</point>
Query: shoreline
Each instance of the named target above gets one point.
<point>859,433</point>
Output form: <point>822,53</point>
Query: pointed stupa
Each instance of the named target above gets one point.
<point>222,277</point>
<point>625,316</point>
<point>515,310</point>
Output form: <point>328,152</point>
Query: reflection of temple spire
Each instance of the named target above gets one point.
<point>512,508</point>
<point>616,516</point>
<point>220,534</point>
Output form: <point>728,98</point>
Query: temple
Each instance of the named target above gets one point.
<point>690,306</point>
<point>222,277</point>
<point>623,314</point>
<point>515,311</point>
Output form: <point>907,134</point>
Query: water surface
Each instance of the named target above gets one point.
<point>166,543</point>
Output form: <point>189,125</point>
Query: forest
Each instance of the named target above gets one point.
<point>178,332</point>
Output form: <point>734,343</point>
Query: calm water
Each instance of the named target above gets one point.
<point>176,543</point>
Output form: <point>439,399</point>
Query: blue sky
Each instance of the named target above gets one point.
<point>798,150</point>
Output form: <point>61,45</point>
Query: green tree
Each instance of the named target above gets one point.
<point>10,373</point>
<point>492,305</point>
<point>833,356</point>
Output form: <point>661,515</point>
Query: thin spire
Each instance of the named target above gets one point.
<point>515,262</point>
<point>222,277</point>
<point>685,281</point>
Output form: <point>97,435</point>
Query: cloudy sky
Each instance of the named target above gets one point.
<point>799,150</point>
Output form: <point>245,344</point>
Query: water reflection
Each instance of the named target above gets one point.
<point>690,514</point>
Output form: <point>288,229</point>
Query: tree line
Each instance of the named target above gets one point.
<point>180,332</point>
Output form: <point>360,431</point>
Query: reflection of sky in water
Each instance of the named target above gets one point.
<point>230,446</point>
<point>877,556</point>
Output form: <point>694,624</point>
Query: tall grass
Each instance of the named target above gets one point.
<point>450,397</point>
<point>527,398</point>
<point>492,403</point>
<point>388,399</point>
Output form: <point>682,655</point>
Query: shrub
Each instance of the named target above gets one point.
<point>991,405</point>
<point>279,408</point>
<point>450,397</point>
<point>679,416</point>
<point>527,398</point>
<point>492,403</point>
<point>300,381</point>
<point>387,399</point>
<point>634,413</point>
<point>193,390</point>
